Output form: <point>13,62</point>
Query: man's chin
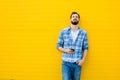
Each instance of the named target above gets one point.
<point>74,23</point>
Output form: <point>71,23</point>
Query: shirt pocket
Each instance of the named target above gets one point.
<point>79,42</point>
<point>66,38</point>
<point>67,42</point>
<point>80,39</point>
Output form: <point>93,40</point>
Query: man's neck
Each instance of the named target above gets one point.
<point>74,28</point>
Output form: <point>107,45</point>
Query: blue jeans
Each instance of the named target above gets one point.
<point>70,71</point>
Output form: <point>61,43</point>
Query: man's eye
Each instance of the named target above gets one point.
<point>76,16</point>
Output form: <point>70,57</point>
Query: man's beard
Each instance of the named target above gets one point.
<point>75,23</point>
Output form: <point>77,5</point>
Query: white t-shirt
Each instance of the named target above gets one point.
<point>74,35</point>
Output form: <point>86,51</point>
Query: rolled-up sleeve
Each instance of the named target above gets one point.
<point>85,42</point>
<point>60,40</point>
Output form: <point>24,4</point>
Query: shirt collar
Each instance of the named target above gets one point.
<point>69,28</point>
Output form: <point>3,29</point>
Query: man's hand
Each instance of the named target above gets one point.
<point>80,62</point>
<point>69,51</point>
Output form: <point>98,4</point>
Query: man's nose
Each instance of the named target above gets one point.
<point>75,19</point>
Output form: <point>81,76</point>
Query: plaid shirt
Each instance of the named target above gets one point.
<point>80,44</point>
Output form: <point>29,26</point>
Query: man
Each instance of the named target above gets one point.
<point>73,43</point>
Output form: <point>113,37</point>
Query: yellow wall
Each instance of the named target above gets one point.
<point>29,31</point>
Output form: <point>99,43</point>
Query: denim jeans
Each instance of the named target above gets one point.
<point>70,71</point>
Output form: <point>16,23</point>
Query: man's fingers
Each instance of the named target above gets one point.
<point>70,52</point>
<point>77,62</point>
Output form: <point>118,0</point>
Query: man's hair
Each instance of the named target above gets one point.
<point>74,13</point>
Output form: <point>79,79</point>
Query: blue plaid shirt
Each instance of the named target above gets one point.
<point>80,44</point>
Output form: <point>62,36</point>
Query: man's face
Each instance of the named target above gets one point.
<point>74,19</point>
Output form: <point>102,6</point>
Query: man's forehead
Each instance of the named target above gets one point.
<point>74,15</point>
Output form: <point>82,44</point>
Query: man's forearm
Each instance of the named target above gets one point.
<point>62,49</point>
<point>84,54</point>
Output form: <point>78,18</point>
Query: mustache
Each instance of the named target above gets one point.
<point>74,19</point>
